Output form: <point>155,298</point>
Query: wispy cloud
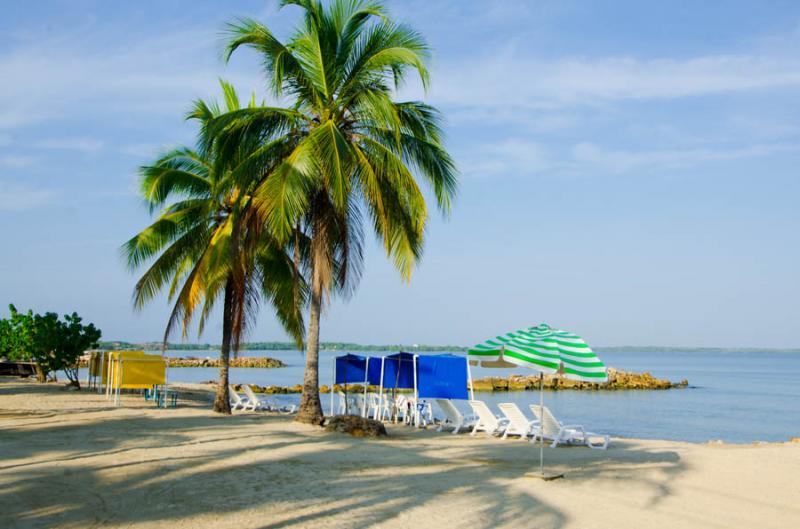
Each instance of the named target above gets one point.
<point>61,78</point>
<point>507,157</point>
<point>511,78</point>
<point>618,161</point>
<point>519,157</point>
<point>14,198</point>
<point>142,150</point>
<point>16,161</point>
<point>85,145</point>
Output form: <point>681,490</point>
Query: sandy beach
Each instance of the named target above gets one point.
<point>69,459</point>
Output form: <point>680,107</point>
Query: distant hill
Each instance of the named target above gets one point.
<point>664,349</point>
<point>344,346</point>
<point>280,346</point>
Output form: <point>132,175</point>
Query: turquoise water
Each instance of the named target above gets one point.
<point>737,397</point>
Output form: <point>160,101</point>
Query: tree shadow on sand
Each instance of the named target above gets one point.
<point>263,471</point>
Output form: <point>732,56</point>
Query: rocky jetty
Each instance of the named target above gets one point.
<point>355,426</point>
<point>616,380</point>
<point>242,361</point>
<point>271,390</point>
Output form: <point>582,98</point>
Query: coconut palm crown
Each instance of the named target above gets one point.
<point>347,150</point>
<point>207,243</point>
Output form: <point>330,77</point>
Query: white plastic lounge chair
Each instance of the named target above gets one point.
<point>518,423</point>
<point>487,421</point>
<point>256,403</point>
<point>381,406</point>
<point>401,408</point>
<point>417,413</point>
<point>453,418</point>
<point>263,403</point>
<point>281,408</point>
<point>356,403</point>
<point>237,401</point>
<point>570,434</point>
<point>342,405</point>
<point>373,406</point>
<point>353,404</point>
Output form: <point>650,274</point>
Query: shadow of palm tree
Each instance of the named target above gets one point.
<point>128,467</point>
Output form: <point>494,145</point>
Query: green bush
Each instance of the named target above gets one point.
<point>53,344</point>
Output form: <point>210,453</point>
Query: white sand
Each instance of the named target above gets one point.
<point>69,459</point>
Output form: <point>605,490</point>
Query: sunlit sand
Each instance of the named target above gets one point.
<point>69,459</point>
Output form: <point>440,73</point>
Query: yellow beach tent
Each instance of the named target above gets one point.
<point>133,370</point>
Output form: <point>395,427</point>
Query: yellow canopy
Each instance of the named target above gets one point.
<point>137,370</point>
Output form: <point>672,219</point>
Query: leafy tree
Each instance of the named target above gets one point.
<point>54,345</point>
<point>73,338</point>
<point>7,349</point>
<point>207,243</point>
<point>343,149</point>
<point>15,334</point>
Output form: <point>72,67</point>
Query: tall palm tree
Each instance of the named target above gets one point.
<point>208,242</point>
<point>353,151</point>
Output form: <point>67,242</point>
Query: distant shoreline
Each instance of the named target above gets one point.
<point>344,346</point>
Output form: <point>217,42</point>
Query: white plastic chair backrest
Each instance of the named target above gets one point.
<point>483,412</point>
<point>373,399</point>
<point>550,424</point>
<point>250,394</point>
<point>450,410</point>
<point>340,399</point>
<point>234,396</point>
<point>514,415</point>
<point>353,402</point>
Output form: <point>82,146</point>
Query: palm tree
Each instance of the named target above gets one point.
<point>207,241</point>
<point>353,151</point>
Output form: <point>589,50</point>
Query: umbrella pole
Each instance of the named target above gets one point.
<point>541,475</point>
<point>541,426</point>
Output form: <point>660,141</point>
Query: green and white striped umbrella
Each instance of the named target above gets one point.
<point>542,348</point>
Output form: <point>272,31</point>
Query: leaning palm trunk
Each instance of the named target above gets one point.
<point>222,403</point>
<point>206,243</point>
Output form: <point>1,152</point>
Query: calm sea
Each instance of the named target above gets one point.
<point>737,397</point>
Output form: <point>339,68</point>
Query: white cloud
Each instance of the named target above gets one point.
<point>511,78</point>
<point>20,198</point>
<point>619,161</point>
<point>520,157</point>
<point>16,161</point>
<point>86,145</point>
<point>142,150</point>
<point>512,156</point>
<point>66,78</point>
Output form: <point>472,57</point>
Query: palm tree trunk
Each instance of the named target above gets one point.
<point>310,406</point>
<point>222,403</point>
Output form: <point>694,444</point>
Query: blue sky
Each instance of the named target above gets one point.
<point>629,170</point>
